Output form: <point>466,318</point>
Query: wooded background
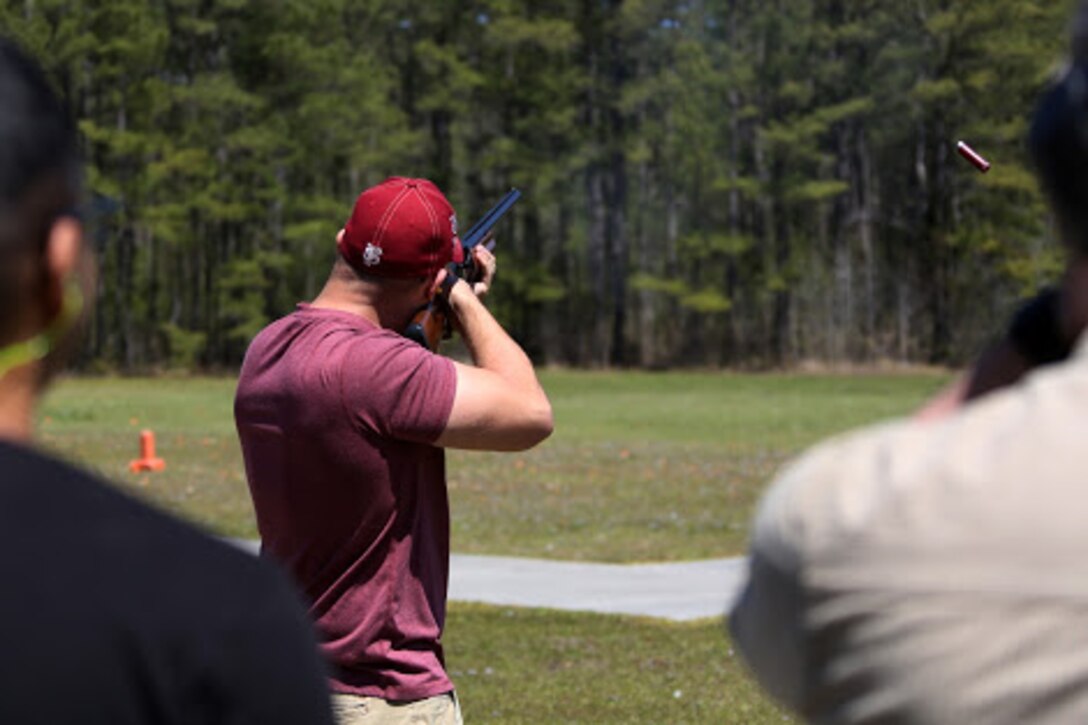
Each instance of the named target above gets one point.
<point>748,183</point>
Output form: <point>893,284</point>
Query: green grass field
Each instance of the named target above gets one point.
<point>528,667</point>
<point>642,467</point>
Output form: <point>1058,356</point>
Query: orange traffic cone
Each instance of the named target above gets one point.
<point>147,460</point>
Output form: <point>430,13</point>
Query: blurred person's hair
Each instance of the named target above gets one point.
<point>39,174</point>
<point>1059,140</point>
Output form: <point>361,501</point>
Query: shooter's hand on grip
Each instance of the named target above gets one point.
<point>484,266</point>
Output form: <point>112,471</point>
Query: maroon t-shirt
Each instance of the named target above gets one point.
<point>337,418</point>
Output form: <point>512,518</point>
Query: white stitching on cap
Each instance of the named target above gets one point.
<point>435,230</point>
<point>379,234</point>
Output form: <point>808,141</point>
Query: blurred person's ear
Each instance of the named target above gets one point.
<point>63,252</point>
<point>69,279</point>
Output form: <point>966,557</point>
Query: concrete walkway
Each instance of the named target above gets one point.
<point>681,592</point>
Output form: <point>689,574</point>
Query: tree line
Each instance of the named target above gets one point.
<point>707,182</point>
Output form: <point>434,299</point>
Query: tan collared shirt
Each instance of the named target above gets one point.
<point>932,572</point>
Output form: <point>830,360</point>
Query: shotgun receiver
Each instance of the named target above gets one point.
<point>432,324</point>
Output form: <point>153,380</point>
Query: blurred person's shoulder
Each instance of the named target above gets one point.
<point>895,560</point>
<point>969,485</point>
<point>134,614</point>
<point>46,494</point>
<point>62,524</point>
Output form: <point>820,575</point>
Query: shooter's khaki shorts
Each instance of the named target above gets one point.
<point>357,710</point>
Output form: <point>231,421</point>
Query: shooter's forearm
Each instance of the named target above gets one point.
<point>490,346</point>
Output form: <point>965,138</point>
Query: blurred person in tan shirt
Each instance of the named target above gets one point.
<point>935,570</point>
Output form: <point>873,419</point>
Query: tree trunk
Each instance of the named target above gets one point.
<point>866,203</point>
<point>647,317</point>
<point>618,251</point>
<point>597,353</point>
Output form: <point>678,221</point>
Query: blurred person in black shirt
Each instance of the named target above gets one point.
<point>112,612</point>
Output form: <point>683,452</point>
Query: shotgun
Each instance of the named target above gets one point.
<point>432,324</point>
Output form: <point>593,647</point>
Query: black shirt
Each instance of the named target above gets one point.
<point>111,612</point>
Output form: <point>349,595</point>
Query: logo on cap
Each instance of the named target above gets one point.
<point>372,255</point>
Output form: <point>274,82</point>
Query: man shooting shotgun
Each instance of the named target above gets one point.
<point>343,422</point>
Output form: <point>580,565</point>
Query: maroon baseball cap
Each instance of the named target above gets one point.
<point>401,228</point>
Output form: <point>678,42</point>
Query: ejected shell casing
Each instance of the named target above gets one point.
<point>973,156</point>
